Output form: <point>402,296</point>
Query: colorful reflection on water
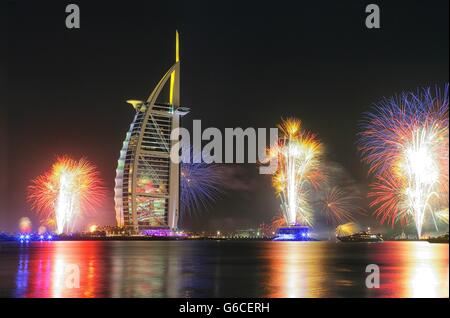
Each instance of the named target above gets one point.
<point>221,269</point>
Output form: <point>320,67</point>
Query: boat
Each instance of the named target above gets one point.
<point>359,237</point>
<point>439,239</point>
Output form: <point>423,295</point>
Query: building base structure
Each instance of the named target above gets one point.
<point>293,233</point>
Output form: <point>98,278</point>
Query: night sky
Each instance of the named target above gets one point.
<point>243,65</point>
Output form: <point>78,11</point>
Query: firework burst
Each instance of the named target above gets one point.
<point>442,216</point>
<point>278,221</point>
<point>347,229</point>
<point>69,189</point>
<point>404,141</point>
<point>299,155</point>
<point>200,185</point>
<point>338,205</point>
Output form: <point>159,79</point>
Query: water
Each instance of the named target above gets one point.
<point>221,269</point>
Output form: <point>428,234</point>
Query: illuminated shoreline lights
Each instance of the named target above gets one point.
<point>404,141</point>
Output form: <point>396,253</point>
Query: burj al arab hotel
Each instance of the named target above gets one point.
<point>147,181</point>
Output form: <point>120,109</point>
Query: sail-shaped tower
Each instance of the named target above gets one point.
<point>147,181</point>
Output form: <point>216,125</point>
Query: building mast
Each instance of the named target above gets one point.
<point>174,100</point>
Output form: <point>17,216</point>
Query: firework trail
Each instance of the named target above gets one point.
<point>338,205</point>
<point>299,156</point>
<point>69,189</point>
<point>200,183</point>
<point>278,221</point>
<point>339,198</point>
<point>404,141</point>
<point>347,229</point>
<point>442,215</point>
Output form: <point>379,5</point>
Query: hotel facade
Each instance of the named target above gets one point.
<point>147,184</point>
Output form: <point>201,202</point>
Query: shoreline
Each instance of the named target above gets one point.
<point>138,238</point>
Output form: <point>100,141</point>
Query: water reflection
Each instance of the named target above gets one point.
<point>22,273</point>
<point>296,269</point>
<point>424,277</point>
<point>141,271</point>
<point>50,266</point>
<point>222,269</point>
<point>156,269</point>
<point>412,269</point>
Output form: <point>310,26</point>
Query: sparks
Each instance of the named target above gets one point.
<point>405,143</point>
<point>346,229</point>
<point>200,184</point>
<point>442,216</point>
<point>69,189</point>
<point>299,155</point>
<point>338,205</point>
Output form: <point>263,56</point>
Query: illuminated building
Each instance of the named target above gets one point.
<point>247,233</point>
<point>147,181</point>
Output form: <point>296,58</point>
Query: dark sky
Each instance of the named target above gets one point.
<point>243,65</point>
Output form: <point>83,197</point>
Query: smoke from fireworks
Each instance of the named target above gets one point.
<point>69,189</point>
<point>404,140</point>
<point>299,156</point>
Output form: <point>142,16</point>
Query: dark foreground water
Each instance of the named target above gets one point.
<point>221,269</point>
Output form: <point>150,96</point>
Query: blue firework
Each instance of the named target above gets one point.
<point>200,185</point>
